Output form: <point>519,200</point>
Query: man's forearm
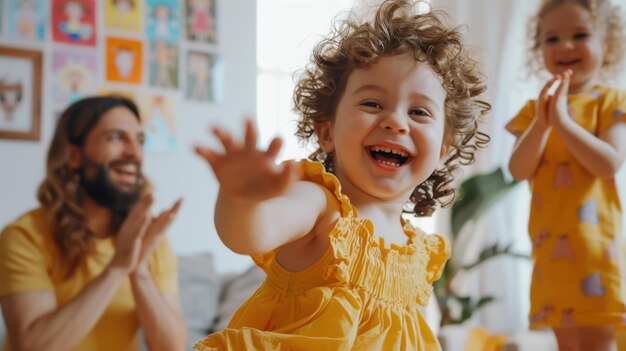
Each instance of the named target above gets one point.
<point>162,325</point>
<point>66,326</point>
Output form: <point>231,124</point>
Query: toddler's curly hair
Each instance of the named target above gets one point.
<point>396,29</point>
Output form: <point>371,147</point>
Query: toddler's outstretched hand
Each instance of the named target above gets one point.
<point>245,172</point>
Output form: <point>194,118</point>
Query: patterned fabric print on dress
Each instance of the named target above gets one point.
<point>563,178</point>
<point>588,213</point>
<point>612,251</point>
<point>596,94</point>
<point>542,315</point>
<point>541,237</point>
<point>563,249</point>
<point>592,285</point>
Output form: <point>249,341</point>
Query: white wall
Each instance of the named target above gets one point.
<point>175,174</point>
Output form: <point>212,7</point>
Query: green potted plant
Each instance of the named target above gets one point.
<point>476,195</point>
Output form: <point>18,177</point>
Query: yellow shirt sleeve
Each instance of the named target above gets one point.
<point>518,125</point>
<point>23,261</point>
<point>612,109</point>
<point>163,267</point>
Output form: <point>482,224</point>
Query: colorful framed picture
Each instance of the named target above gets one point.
<point>27,19</point>
<point>158,113</point>
<point>123,15</point>
<point>74,22</point>
<point>163,65</point>
<point>76,75</point>
<point>201,23</point>
<point>200,76</point>
<point>124,60</point>
<point>163,20</point>
<point>20,93</point>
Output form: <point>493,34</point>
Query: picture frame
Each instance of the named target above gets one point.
<point>20,93</point>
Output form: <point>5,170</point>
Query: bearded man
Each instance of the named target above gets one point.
<point>90,267</point>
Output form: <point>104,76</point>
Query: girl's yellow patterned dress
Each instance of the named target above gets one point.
<point>361,295</point>
<point>575,224</point>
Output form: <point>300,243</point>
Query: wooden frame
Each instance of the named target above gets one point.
<point>20,93</point>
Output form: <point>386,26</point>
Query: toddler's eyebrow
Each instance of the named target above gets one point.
<point>427,98</point>
<point>368,87</point>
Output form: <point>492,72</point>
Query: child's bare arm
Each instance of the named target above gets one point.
<point>257,227</point>
<point>529,146</point>
<point>602,156</point>
<point>260,206</point>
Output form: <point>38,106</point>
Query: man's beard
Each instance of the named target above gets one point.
<point>101,189</point>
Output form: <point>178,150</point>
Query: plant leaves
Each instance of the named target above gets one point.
<point>493,251</point>
<point>477,195</point>
<point>469,306</point>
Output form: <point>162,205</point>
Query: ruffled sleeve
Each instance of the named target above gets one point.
<point>313,171</point>
<point>264,261</point>
<point>612,109</point>
<point>518,125</point>
<point>438,249</point>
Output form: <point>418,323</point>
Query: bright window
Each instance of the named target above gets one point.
<point>287,30</point>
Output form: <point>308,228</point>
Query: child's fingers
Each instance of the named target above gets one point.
<point>543,96</point>
<point>225,138</point>
<point>176,206</point>
<point>209,155</point>
<point>546,87</point>
<point>251,136</point>
<point>274,148</point>
<point>287,175</point>
<point>563,88</point>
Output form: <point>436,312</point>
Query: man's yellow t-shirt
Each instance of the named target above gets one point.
<point>30,260</point>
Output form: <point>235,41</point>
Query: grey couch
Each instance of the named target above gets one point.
<point>209,300</point>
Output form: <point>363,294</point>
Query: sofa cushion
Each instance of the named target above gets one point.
<point>235,292</point>
<point>200,289</point>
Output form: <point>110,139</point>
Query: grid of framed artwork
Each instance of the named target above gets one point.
<point>153,51</point>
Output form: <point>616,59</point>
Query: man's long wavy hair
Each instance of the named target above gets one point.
<point>396,29</point>
<point>60,192</point>
<point>604,16</point>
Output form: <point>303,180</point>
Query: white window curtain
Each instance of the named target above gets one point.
<point>287,31</point>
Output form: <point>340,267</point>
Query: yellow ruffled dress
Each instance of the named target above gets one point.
<point>361,295</point>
